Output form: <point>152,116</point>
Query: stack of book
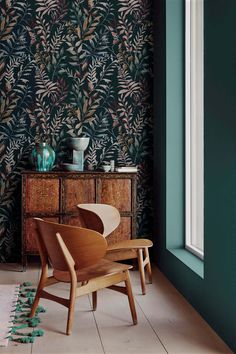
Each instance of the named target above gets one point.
<point>127,169</point>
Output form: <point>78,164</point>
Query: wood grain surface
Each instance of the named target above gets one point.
<point>117,193</point>
<point>123,232</point>
<point>78,191</point>
<point>31,244</point>
<point>42,195</point>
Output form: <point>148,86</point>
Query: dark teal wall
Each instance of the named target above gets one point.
<point>214,295</point>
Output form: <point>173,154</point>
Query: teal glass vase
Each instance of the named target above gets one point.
<point>42,157</point>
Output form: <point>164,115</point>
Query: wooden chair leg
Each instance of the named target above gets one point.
<point>148,265</point>
<point>71,308</point>
<point>35,303</point>
<point>40,287</point>
<point>131,298</point>
<point>94,297</point>
<point>141,270</point>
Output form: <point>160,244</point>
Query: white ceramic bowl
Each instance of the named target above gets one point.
<point>106,168</point>
<point>79,144</point>
<point>70,167</point>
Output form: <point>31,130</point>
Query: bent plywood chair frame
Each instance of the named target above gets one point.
<point>105,219</point>
<point>76,255</point>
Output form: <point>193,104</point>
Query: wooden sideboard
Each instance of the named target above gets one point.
<point>54,195</point>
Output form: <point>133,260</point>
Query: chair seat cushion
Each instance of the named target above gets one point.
<point>102,268</point>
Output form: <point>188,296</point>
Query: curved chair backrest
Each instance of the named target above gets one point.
<point>85,247</point>
<point>102,218</point>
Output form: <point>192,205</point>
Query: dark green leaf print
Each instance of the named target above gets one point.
<point>69,68</point>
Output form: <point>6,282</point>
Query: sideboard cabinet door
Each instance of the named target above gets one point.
<point>78,191</point>
<point>42,195</point>
<point>121,193</point>
<point>117,192</point>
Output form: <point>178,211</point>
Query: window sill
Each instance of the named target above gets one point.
<point>190,260</point>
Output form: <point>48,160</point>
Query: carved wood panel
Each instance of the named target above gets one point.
<point>42,195</point>
<point>116,192</point>
<point>78,191</point>
<point>30,238</point>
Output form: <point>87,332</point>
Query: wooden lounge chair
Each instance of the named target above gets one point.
<point>76,256</point>
<point>105,219</point>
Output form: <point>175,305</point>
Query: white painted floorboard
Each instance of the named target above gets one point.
<point>166,322</point>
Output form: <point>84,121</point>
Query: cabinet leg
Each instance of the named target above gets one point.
<point>24,262</point>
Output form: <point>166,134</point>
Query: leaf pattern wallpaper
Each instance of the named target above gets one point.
<point>72,68</point>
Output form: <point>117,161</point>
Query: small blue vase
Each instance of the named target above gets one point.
<point>42,157</point>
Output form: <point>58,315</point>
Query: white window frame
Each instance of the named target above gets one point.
<point>194,127</point>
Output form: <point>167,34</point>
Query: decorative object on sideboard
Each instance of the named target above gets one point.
<point>106,168</point>
<point>127,169</point>
<point>42,157</point>
<point>112,164</point>
<point>78,146</point>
